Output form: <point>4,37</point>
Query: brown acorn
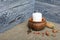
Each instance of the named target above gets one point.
<point>54,31</point>
<point>47,33</point>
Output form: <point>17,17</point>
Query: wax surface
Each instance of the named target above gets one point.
<point>37,17</point>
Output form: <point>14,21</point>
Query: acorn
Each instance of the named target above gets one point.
<point>47,33</point>
<point>42,34</point>
<point>53,35</point>
<point>54,31</point>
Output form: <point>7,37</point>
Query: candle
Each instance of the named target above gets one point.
<point>37,17</point>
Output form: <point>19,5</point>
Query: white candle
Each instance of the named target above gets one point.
<point>37,17</point>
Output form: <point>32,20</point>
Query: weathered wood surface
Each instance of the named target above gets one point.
<point>50,10</point>
<point>19,32</point>
<point>13,12</point>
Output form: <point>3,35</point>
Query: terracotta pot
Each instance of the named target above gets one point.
<point>36,25</point>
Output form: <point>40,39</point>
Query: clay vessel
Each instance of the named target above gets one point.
<point>36,25</point>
